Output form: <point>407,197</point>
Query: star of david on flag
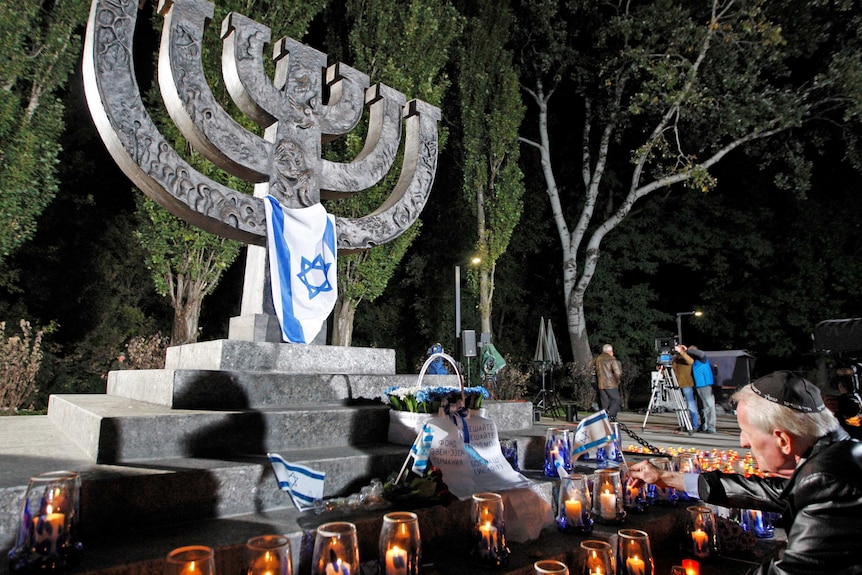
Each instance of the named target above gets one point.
<point>302,265</point>
<point>592,432</point>
<point>304,484</point>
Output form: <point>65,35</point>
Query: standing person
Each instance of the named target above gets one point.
<point>814,476</point>
<point>609,372</point>
<point>682,363</point>
<point>701,371</point>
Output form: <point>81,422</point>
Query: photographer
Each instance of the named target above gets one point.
<point>701,371</point>
<point>682,363</point>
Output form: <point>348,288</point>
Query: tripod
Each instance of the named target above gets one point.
<point>546,400</point>
<point>669,388</point>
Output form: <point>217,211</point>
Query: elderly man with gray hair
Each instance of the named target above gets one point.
<point>814,476</point>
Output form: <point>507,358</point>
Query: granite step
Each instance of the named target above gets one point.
<point>221,389</point>
<point>238,355</point>
<point>111,429</point>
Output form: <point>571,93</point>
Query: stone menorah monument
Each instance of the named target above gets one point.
<point>304,106</point>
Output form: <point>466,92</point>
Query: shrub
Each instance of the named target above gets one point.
<point>20,359</point>
<point>147,352</point>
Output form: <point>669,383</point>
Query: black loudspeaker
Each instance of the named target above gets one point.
<point>468,343</point>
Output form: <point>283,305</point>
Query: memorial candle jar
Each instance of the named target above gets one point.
<point>700,532</point>
<point>686,463</point>
<point>550,567</point>
<point>268,555</point>
<point>597,558</point>
<point>48,525</point>
<point>757,522</point>
<point>634,498</point>
<point>608,496</point>
<point>574,514</point>
<point>663,495</point>
<point>488,531</point>
<point>190,560</point>
<point>335,550</point>
<point>558,446</point>
<point>634,556</point>
<point>399,545</point>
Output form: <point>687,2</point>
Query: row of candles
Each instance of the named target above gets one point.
<point>46,537</point>
<point>336,551</point>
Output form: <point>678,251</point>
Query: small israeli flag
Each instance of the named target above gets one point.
<point>592,432</point>
<point>304,484</point>
<point>302,265</point>
<point>420,449</point>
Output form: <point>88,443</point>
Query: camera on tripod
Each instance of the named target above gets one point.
<point>664,348</point>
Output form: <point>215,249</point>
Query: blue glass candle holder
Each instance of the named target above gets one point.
<point>574,512</point>
<point>757,522</point>
<point>558,447</point>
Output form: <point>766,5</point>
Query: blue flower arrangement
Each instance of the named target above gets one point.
<point>419,399</point>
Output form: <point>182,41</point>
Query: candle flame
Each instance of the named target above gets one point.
<point>49,509</point>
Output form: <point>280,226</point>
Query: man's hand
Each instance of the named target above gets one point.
<point>646,472</point>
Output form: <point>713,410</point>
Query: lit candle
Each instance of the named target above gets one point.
<point>691,567</point>
<point>396,561</point>
<point>756,520</point>
<point>266,564</point>
<point>489,537</point>
<point>596,571</point>
<point>573,512</point>
<point>635,565</point>
<point>699,539</point>
<point>608,504</point>
<point>47,529</point>
<point>338,568</point>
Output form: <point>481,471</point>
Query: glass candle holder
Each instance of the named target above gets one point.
<point>662,495</point>
<point>509,447</point>
<point>399,545</point>
<point>550,567</point>
<point>488,532</point>
<point>701,537</point>
<point>573,509</point>
<point>686,463</point>
<point>190,560</point>
<point>335,550</point>
<point>597,558</point>
<point>47,537</point>
<point>558,447</point>
<point>634,498</point>
<point>608,496</point>
<point>690,567</point>
<point>268,555</point>
<point>757,522</point>
<point>634,556</point>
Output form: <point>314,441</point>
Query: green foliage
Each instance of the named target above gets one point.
<point>40,49</point>
<point>491,114</point>
<point>404,44</point>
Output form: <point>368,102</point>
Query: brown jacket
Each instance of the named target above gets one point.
<point>682,363</point>
<point>608,371</point>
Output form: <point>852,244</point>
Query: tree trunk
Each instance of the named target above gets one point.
<point>187,313</point>
<point>342,325</point>
<point>486,297</point>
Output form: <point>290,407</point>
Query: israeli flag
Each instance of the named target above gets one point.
<point>301,247</point>
<point>592,432</point>
<point>304,484</point>
<point>420,449</point>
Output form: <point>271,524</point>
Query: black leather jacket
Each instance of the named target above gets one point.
<point>821,506</point>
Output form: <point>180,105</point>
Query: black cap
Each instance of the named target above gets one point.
<point>791,390</point>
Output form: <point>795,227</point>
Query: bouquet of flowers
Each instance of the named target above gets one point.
<point>419,399</point>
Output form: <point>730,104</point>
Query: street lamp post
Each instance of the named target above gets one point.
<point>458,311</point>
<point>475,260</point>
<point>679,322</point>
